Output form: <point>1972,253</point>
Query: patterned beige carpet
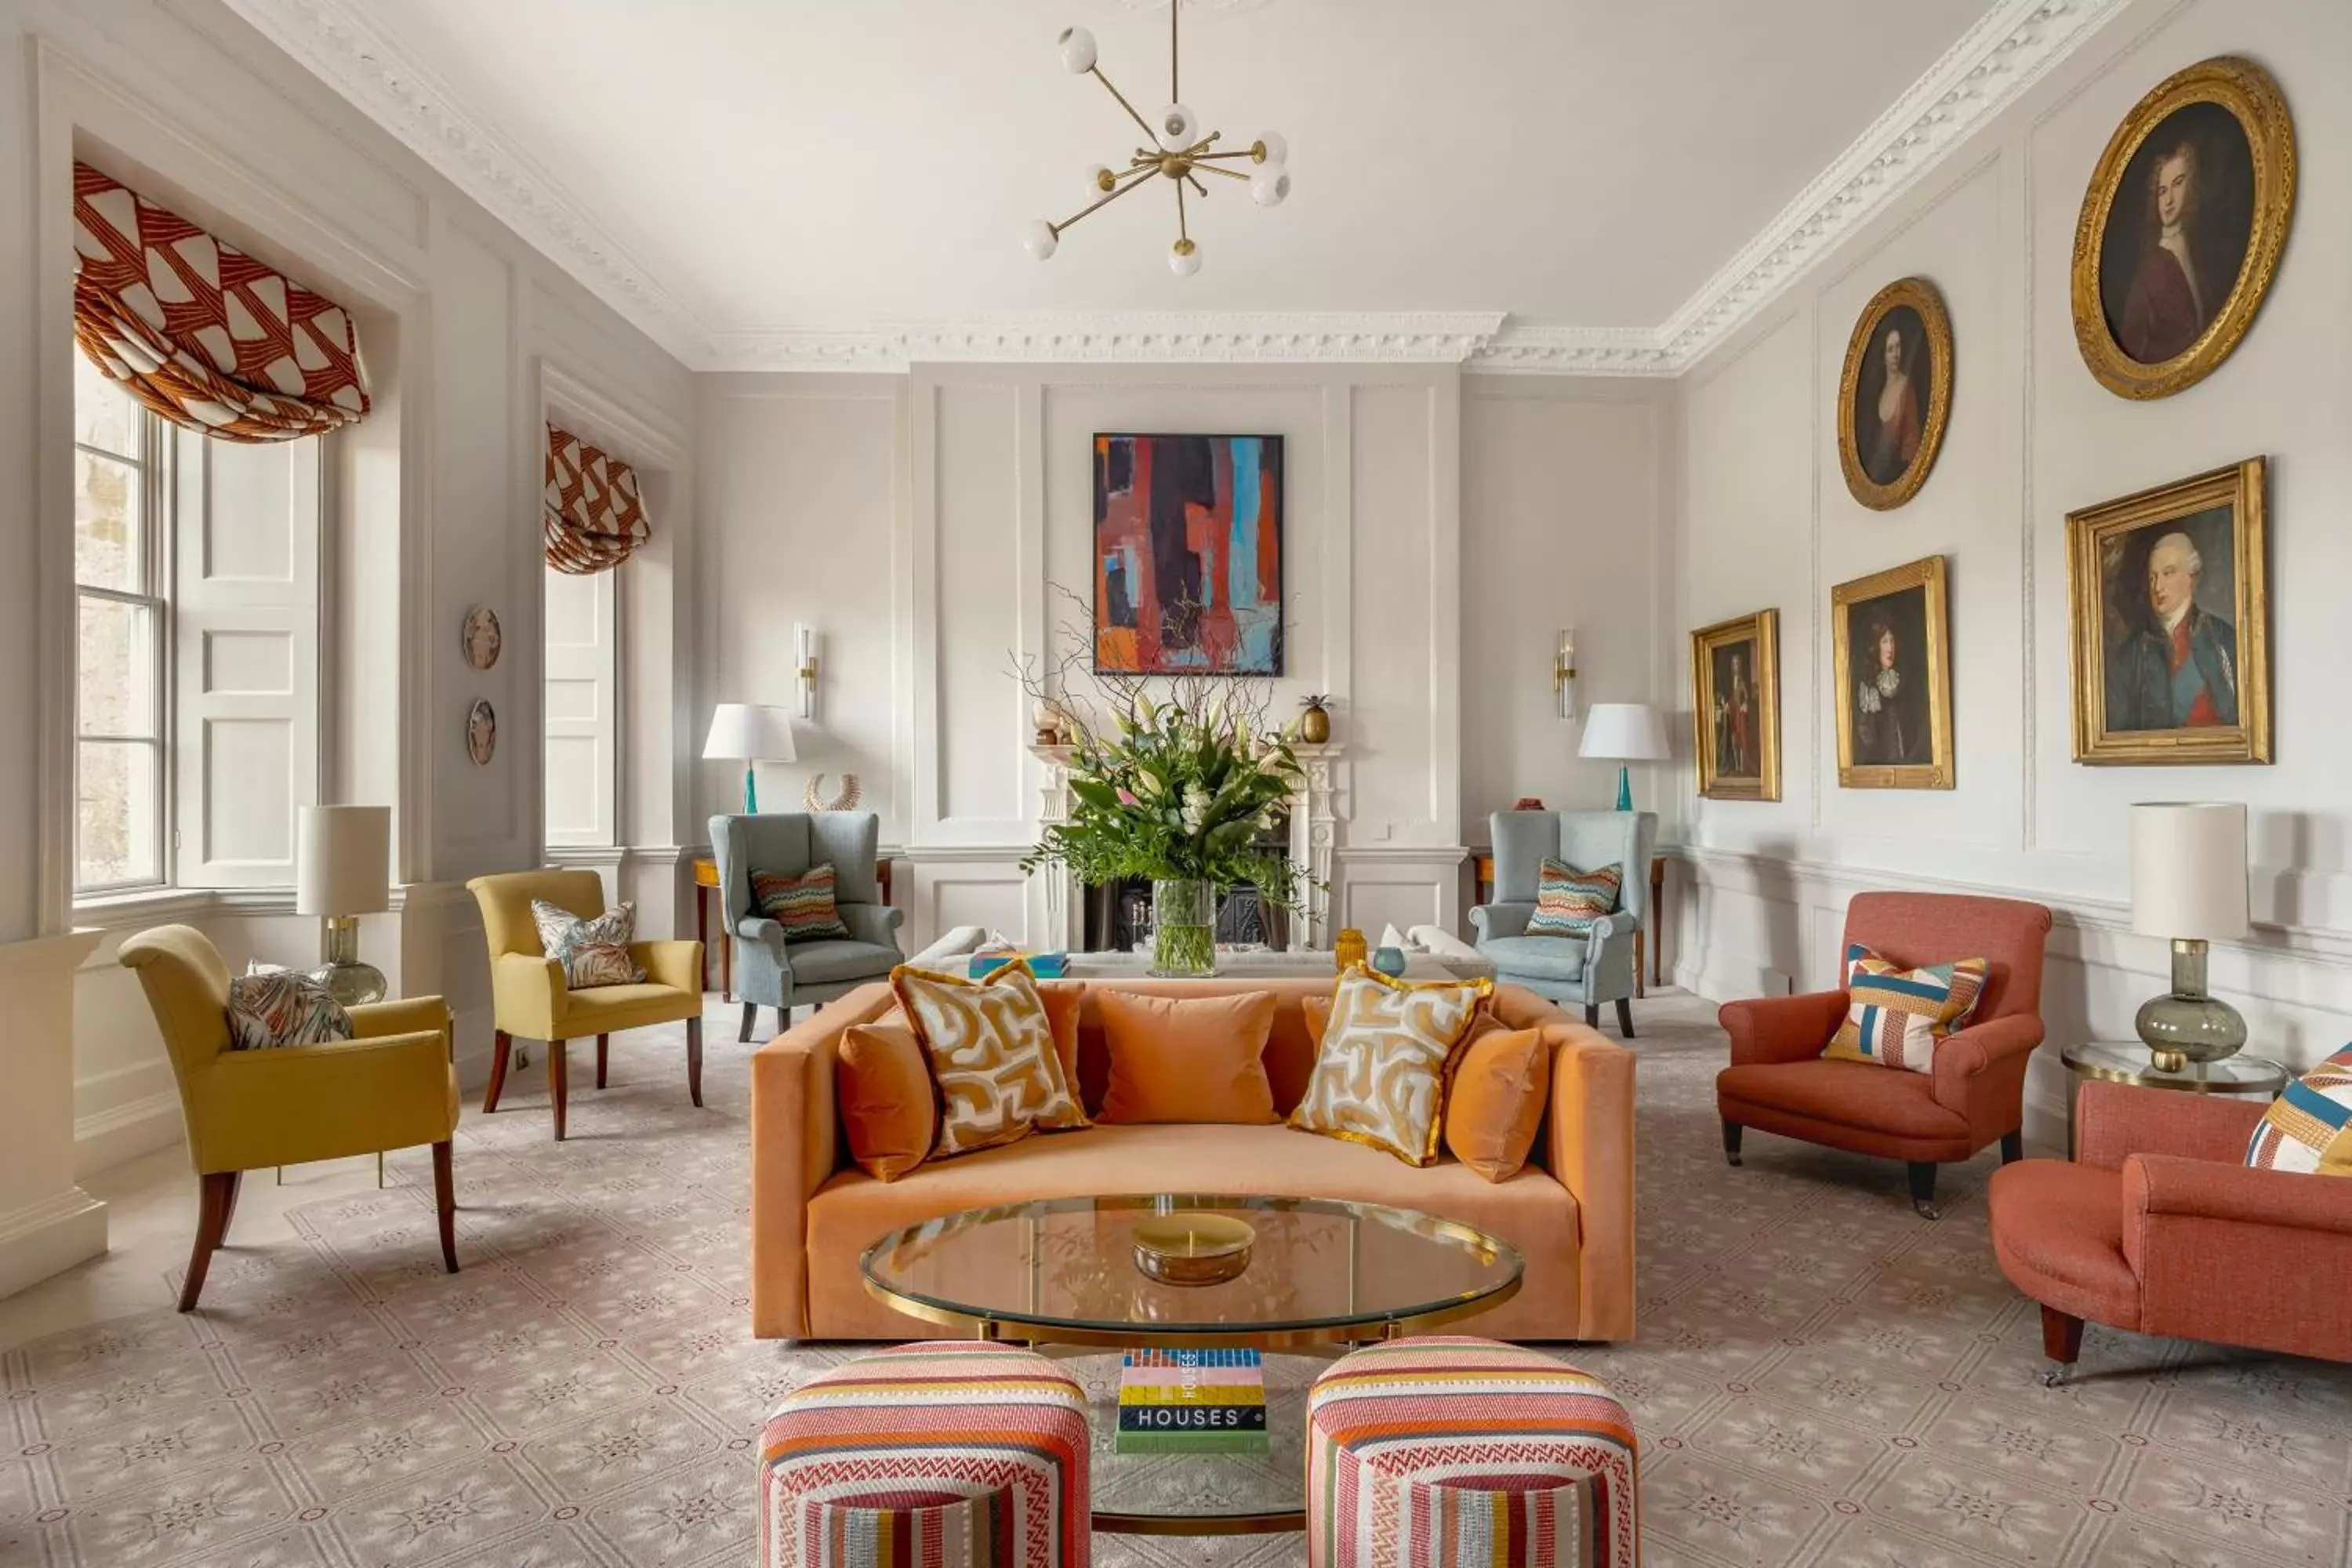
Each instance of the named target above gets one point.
<point>1821,1377</point>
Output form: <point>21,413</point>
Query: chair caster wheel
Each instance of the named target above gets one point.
<point>2054,1378</point>
<point>1731,1158</point>
<point>1925,1211</point>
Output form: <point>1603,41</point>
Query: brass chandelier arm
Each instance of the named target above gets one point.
<point>1245,153</point>
<point>1212,169</point>
<point>1136,178</point>
<point>1181,232</point>
<point>1144,124</point>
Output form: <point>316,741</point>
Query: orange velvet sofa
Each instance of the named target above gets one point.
<point>1570,1211</point>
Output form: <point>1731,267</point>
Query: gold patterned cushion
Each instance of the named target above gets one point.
<point>990,1047</point>
<point>1380,1072</point>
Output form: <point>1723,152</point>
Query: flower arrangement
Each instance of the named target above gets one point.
<point>1178,791</point>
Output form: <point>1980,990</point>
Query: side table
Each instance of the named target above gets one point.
<point>1483,868</point>
<point>2127,1061</point>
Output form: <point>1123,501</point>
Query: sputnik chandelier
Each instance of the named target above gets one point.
<point>1180,154</point>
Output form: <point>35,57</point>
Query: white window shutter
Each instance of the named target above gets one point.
<point>246,647</point>
<point>582,656</point>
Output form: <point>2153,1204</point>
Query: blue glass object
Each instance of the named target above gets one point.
<point>1389,961</point>
<point>1624,787</point>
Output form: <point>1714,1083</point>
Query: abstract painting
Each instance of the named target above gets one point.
<point>1188,555</point>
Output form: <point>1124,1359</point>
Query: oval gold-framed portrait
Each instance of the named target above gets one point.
<point>1895,395</point>
<point>2182,227</point>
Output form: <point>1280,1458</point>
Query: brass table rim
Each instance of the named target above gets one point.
<point>2272,1080</point>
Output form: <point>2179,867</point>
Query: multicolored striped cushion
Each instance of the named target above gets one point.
<point>2308,1127</point>
<point>1568,901</point>
<point>947,1455</point>
<point>1448,1451</point>
<point>1896,1016</point>
<point>594,952</point>
<point>802,905</point>
<point>273,1007</point>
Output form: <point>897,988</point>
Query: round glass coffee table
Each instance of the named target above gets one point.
<point>2127,1062</point>
<point>1322,1275</point>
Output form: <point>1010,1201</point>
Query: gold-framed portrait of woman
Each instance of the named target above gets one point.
<point>2182,227</point>
<point>1736,707</point>
<point>2168,598</point>
<point>1895,395</point>
<point>1891,639</point>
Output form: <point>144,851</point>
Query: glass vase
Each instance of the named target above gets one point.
<point>1183,930</point>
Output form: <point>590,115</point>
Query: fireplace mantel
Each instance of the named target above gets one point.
<point>1314,829</point>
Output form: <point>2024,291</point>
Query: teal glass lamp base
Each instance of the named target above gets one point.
<point>751,790</point>
<point>1624,787</point>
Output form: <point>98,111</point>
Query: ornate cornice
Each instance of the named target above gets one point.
<point>2013,46</point>
<point>336,42</point>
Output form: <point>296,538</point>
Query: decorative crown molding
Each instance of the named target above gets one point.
<point>2009,50</point>
<point>334,40</point>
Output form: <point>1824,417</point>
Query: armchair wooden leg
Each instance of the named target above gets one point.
<point>216,1198</point>
<point>750,1021</point>
<point>1731,1133</point>
<point>501,1050</point>
<point>1593,1015</point>
<point>558,1082</point>
<point>2061,1341</point>
<point>1922,1187</point>
<point>604,1044</point>
<point>694,1060</point>
<point>2013,1147</point>
<point>228,1215</point>
<point>444,1204</point>
<point>1626,1017</point>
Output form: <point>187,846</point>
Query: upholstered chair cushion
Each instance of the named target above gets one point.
<point>273,1007</point>
<point>802,905</point>
<point>1894,1016</point>
<point>1380,1071</point>
<point>991,1052</point>
<point>887,1108</point>
<point>1567,900</point>
<point>1495,1101</point>
<point>594,952</point>
<point>1194,1059</point>
<point>2308,1127</point>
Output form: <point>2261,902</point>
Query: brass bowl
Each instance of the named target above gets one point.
<point>1189,1248</point>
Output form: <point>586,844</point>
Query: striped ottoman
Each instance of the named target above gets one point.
<point>954,1455</point>
<point>1454,1452</point>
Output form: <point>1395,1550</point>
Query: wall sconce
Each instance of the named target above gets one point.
<point>804,667</point>
<point>1563,673</point>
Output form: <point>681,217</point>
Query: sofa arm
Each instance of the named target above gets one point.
<point>796,1147</point>
<point>527,994</point>
<point>873,923</point>
<point>1588,1146</point>
<point>1980,1074</point>
<point>674,964</point>
<point>2113,1121</point>
<point>763,930</point>
<point>2172,1186</point>
<point>400,1015</point>
<point>1492,921</point>
<point>295,1104</point>
<point>1781,1029</point>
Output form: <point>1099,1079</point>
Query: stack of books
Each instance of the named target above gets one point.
<point>1044,965</point>
<point>1191,1402</point>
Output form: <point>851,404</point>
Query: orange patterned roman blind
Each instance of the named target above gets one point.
<point>594,515</point>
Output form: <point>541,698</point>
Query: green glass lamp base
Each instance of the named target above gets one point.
<point>2188,1024</point>
<point>751,790</point>
<point>1624,787</point>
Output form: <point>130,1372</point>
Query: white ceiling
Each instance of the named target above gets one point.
<point>761,180</point>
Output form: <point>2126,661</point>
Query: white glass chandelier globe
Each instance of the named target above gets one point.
<point>1077,45</point>
<point>1277,147</point>
<point>1184,259</point>
<point>1270,185</point>
<point>1038,238</point>
<point>1176,128</point>
<point>1100,181</point>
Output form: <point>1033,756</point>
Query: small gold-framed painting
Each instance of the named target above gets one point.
<point>1736,707</point>
<point>2182,227</point>
<point>1895,395</point>
<point>1891,637</point>
<point>2171,609</point>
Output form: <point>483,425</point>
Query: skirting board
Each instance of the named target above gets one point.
<point>144,1125</point>
<point>49,1237</point>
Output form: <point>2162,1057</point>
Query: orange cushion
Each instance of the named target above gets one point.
<point>1318,1011</point>
<point>1193,1058</point>
<point>883,1087</point>
<point>1502,1082</point>
<point>1064,999</point>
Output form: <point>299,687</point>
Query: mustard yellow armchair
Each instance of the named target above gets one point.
<point>390,1086</point>
<point>530,1001</point>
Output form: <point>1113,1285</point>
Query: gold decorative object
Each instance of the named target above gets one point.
<point>1348,950</point>
<point>1736,707</point>
<point>2181,564</point>
<point>1175,151</point>
<point>1188,1248</point>
<point>1895,397</point>
<point>1314,720</point>
<point>2182,227</point>
<point>1890,635</point>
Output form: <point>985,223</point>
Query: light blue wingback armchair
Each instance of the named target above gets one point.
<point>1600,968</point>
<point>771,973</point>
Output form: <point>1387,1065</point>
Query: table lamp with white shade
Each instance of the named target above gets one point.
<point>2188,887</point>
<point>343,871</point>
<point>1624,732</point>
<point>750,733</point>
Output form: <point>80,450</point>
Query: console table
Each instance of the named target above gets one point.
<point>1486,875</point>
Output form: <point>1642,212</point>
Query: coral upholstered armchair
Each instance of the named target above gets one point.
<point>2159,1227</point>
<point>1778,1080</point>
